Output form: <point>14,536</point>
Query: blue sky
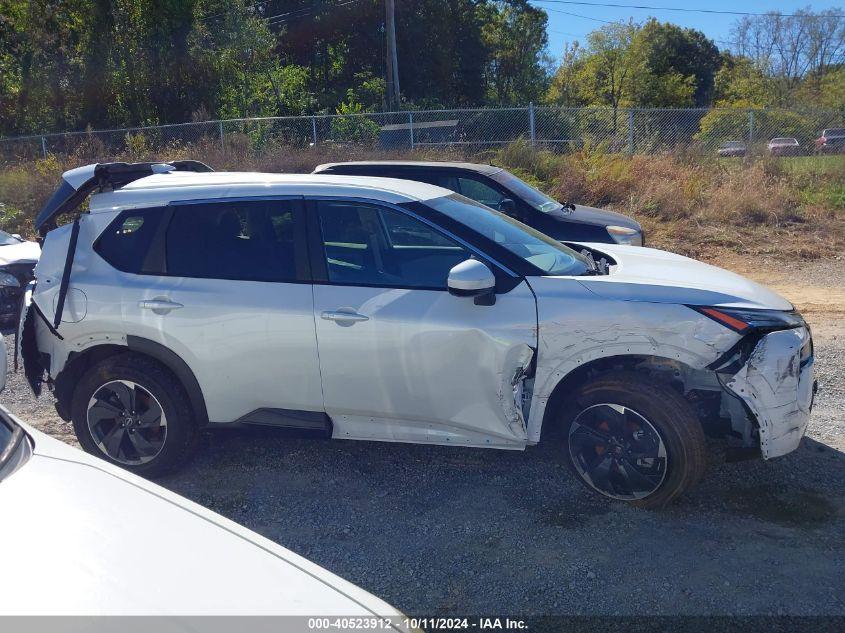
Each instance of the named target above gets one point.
<point>567,28</point>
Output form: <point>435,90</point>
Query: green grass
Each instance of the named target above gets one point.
<point>818,166</point>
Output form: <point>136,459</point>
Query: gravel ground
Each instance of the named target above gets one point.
<point>446,530</point>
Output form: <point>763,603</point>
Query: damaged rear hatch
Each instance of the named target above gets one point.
<point>75,187</point>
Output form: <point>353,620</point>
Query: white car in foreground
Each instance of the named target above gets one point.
<point>397,311</point>
<point>84,537</point>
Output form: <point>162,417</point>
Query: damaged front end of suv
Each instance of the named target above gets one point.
<point>770,372</point>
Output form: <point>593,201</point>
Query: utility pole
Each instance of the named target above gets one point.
<point>392,64</point>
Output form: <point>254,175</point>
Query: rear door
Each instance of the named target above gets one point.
<point>233,299</point>
<point>401,358</point>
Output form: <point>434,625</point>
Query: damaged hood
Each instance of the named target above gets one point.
<point>655,276</point>
<point>19,253</point>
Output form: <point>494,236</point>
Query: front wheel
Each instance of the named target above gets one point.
<point>635,440</point>
<point>133,412</point>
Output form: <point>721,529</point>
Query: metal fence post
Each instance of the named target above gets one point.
<point>222,143</point>
<point>631,131</point>
<point>314,130</point>
<point>411,127</point>
<point>44,146</point>
<point>531,129</point>
<point>750,128</point>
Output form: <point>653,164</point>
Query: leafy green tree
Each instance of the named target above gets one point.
<point>605,68</point>
<point>678,66</point>
<point>442,52</point>
<point>352,126</point>
<point>627,65</point>
<point>740,83</point>
<point>233,70</point>
<point>515,33</point>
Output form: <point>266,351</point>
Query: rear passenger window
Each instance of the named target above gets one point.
<point>251,241</point>
<point>126,242</point>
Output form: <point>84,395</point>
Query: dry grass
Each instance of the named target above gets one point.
<point>700,207</point>
<point>703,207</point>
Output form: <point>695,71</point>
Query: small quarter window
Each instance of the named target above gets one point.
<point>126,242</point>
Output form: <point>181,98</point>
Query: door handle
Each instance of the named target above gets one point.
<point>341,315</point>
<point>159,306</point>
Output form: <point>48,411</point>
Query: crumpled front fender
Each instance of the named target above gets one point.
<point>777,389</point>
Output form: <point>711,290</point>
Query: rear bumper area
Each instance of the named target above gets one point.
<point>11,296</point>
<point>10,299</point>
<point>778,387</point>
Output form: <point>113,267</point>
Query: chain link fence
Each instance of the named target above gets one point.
<point>623,130</point>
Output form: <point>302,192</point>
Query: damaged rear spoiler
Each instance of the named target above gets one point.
<point>77,184</point>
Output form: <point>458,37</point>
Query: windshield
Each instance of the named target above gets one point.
<point>8,240</point>
<point>526,192</point>
<point>731,144</point>
<point>550,256</point>
<point>784,141</point>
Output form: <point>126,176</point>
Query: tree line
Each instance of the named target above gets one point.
<point>770,61</point>
<point>72,64</point>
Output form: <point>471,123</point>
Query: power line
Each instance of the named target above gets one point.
<point>222,13</point>
<point>612,5</point>
<point>296,13</point>
<point>563,33</point>
<point>578,15</point>
<point>301,13</point>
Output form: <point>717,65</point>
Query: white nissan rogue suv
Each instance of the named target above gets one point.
<point>390,310</point>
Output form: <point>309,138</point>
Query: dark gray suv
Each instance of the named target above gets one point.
<point>499,189</point>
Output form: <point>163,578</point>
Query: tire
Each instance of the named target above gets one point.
<point>139,443</point>
<point>656,448</point>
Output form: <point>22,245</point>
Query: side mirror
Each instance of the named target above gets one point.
<point>507,206</point>
<point>472,278</point>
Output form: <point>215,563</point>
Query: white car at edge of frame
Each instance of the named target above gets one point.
<point>84,537</point>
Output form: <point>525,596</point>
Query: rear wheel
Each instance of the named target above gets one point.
<point>635,440</point>
<point>133,412</point>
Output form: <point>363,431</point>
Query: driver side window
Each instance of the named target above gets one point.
<point>480,192</point>
<point>367,245</point>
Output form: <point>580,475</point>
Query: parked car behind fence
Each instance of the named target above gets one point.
<point>732,149</point>
<point>831,141</point>
<point>783,146</point>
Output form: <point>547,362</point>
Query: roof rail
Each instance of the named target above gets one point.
<point>78,183</point>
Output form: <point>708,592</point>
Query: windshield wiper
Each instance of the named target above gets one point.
<point>600,267</point>
<point>568,207</point>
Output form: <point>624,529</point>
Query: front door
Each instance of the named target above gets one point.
<point>401,359</point>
